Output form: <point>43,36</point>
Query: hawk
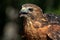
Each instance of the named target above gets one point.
<point>38,26</point>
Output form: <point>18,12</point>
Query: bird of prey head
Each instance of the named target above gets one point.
<point>31,11</point>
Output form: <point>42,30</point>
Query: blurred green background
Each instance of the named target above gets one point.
<point>48,6</point>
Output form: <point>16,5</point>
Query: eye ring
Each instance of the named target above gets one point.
<point>30,9</point>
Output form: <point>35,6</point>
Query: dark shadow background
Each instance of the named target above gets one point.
<point>46,5</point>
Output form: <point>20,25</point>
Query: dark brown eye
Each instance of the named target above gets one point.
<point>30,9</point>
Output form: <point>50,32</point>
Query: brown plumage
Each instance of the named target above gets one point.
<point>36,25</point>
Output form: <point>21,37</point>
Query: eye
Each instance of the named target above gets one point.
<point>30,9</point>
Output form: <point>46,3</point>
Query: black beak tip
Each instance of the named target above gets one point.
<point>22,12</point>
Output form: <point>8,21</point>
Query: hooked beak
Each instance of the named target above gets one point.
<point>23,11</point>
